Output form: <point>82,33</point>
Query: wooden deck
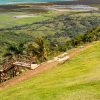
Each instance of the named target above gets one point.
<point>26,65</point>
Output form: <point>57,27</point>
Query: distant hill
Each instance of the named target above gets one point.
<point>81,2</point>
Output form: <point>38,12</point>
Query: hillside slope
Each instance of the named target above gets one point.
<point>56,31</point>
<point>77,79</point>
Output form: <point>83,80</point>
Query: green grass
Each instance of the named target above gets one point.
<point>77,79</point>
<point>7,20</point>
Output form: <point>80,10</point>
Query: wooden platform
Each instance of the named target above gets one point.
<point>27,65</point>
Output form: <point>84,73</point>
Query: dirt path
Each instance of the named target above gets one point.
<point>43,67</point>
<point>28,74</point>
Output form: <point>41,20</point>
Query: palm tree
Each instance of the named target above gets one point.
<point>38,49</point>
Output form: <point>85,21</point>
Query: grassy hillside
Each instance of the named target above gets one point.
<point>77,79</point>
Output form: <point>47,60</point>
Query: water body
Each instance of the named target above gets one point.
<point>28,1</point>
<point>75,7</point>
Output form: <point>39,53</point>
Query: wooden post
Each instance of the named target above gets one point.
<point>0,76</point>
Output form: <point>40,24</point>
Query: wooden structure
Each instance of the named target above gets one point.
<point>8,72</point>
<point>12,68</point>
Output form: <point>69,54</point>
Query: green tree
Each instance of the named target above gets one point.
<point>37,49</point>
<point>15,52</point>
